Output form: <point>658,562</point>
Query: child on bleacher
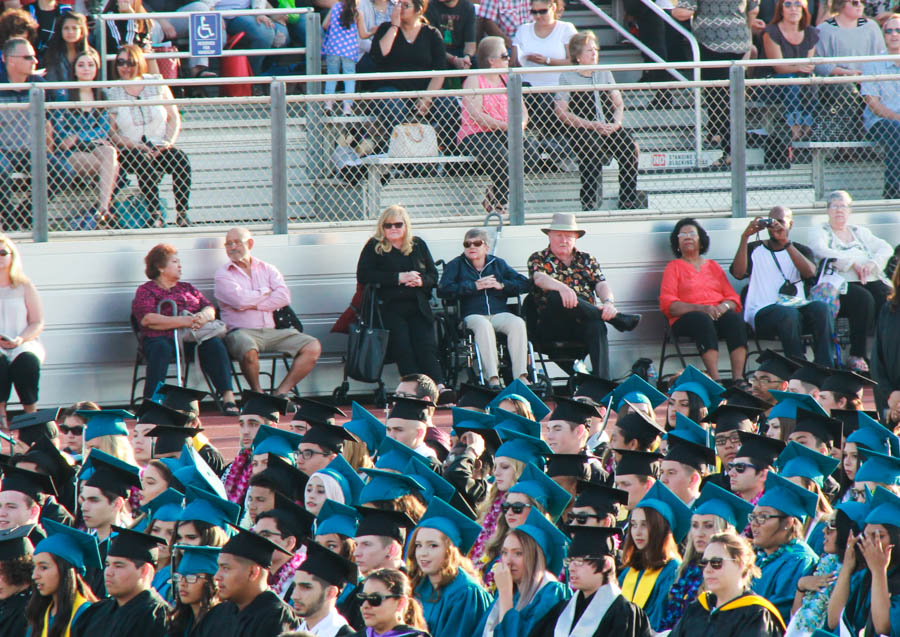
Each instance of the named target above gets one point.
<point>341,47</point>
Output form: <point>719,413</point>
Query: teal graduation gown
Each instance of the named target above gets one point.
<point>518,623</point>
<point>857,612</point>
<point>162,583</point>
<point>458,609</point>
<point>816,539</point>
<point>655,607</point>
<point>780,572</point>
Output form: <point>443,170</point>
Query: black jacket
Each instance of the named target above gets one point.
<point>458,282</point>
<point>737,618</point>
<point>383,270</point>
<point>265,616</point>
<point>403,631</point>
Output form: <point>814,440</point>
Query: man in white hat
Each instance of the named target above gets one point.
<point>572,297</point>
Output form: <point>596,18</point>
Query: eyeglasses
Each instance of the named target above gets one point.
<point>516,507</point>
<point>740,467</point>
<point>790,5</point>
<point>830,527</point>
<point>715,562</point>
<point>502,56</point>
<point>32,58</point>
<point>190,579</point>
<point>4,253</point>
<point>581,518</point>
<point>729,439</point>
<point>891,31</point>
<point>387,225</point>
<point>540,11</point>
<point>574,561</point>
<point>235,243</point>
<point>125,62</point>
<point>761,518</point>
<point>268,534</point>
<point>77,430</point>
<point>374,599</point>
<point>756,379</point>
<point>688,235</point>
<point>309,453</point>
<point>858,493</point>
<point>477,243</point>
<point>855,3</point>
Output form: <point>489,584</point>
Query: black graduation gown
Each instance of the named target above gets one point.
<point>12,614</point>
<point>401,630</point>
<point>265,616</point>
<point>351,609</point>
<point>94,576</point>
<point>143,616</point>
<point>622,619</point>
<point>732,620</point>
<point>53,510</point>
<point>37,534</point>
<point>718,479</point>
<point>214,459</point>
<point>459,472</point>
<point>218,622</point>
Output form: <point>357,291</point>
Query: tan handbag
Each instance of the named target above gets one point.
<point>413,140</point>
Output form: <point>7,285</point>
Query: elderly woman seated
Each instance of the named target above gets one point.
<point>482,283</point>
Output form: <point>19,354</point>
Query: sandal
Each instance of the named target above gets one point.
<point>231,409</point>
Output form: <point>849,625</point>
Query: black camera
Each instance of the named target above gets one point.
<point>765,223</point>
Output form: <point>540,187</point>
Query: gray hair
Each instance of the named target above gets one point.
<point>477,233</point>
<point>12,45</point>
<point>838,195</point>
<point>490,47</point>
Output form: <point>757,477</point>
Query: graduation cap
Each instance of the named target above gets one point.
<point>852,513</point>
<point>171,439</point>
<point>576,465</point>
<point>410,409</point>
<point>737,397</point>
<point>283,477</point>
<point>687,430</point>
<point>133,545</point>
<point>298,520</point>
<point>155,414</point>
<point>75,547</point>
<point>694,381</point>
<point>638,463</point>
<point>329,437</point>
<point>761,449</point>
<point>387,485</point>
<point>274,440</point>
<point>729,417</point>
<point>31,483</point>
<point>789,402</point>
<point>573,411</point>
<point>809,372</point>
<point>346,478</point>
<point>550,539</point>
<point>824,428</point>
<point>36,425</point>
<point>432,483</point>
<point>791,499</point>
<point>690,454</point>
<point>166,507</point>
<point>635,390</point>
<point>591,386</point>
<point>799,461</point>
<point>885,508</point>
<point>210,508</point>
<point>542,489</point>
<point>475,396</point>
<point>714,500</point>
<point>251,546</point>
<point>594,541</point>
<point>510,420</point>
<point>16,543</point>
<point>458,528</point>
<point>327,565</point>
<point>365,426</point>
<point>599,496</point>
<point>776,364</point>
<point>338,518</point>
<point>104,422</point>
<point>392,524</point>
<point>265,406</point>
<point>182,398</point>
<point>393,455</point>
<point>195,471</point>
<point>195,560</point>
<point>636,424</point>
<point>48,457</point>
<point>878,467</point>
<point>850,419</point>
<point>843,381</point>
<point>466,420</point>
<point>522,447</point>
<point>517,390</point>
<point>675,512</point>
<point>316,412</point>
<point>871,434</point>
<point>111,474</point>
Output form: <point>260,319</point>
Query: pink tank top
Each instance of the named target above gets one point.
<point>493,105</point>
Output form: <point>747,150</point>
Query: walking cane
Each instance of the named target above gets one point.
<point>159,310</point>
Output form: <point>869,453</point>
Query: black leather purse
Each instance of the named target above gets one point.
<point>285,318</point>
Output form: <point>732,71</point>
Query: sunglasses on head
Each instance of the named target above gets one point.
<point>125,62</point>
<point>581,518</point>
<point>477,243</point>
<point>740,467</point>
<point>374,599</point>
<point>387,225</point>
<point>715,562</point>
<point>516,507</point>
<point>76,430</point>
<point>540,11</point>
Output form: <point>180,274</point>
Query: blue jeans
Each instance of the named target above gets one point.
<point>258,36</point>
<point>887,133</point>
<point>444,115</point>
<point>787,322</point>
<point>339,64</point>
<point>159,350</point>
<point>799,102</point>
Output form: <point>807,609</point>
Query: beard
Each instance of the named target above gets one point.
<point>313,607</point>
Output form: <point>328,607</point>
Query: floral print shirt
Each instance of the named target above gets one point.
<point>582,274</point>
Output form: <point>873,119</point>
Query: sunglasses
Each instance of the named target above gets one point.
<point>540,11</point>
<point>739,467</point>
<point>4,253</point>
<point>387,225</point>
<point>374,599</point>
<point>477,243</point>
<point>715,562</point>
<point>891,31</point>
<point>516,507</point>
<point>77,430</point>
<point>125,62</point>
<point>581,518</point>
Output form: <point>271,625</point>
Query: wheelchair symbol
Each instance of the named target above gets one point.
<point>204,30</point>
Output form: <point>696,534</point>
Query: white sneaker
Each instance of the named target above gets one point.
<point>348,108</point>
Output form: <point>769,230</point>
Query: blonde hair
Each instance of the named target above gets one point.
<point>495,493</point>
<point>535,568</point>
<point>691,554</point>
<point>357,455</point>
<point>578,43</point>
<point>16,274</point>
<point>453,562</point>
<point>740,550</point>
<point>115,445</point>
<point>399,213</point>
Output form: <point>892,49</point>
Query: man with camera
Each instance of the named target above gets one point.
<point>776,303</point>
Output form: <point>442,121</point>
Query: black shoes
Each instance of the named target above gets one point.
<point>625,322</point>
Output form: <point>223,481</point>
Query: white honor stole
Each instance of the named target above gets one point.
<point>592,616</point>
<point>328,627</point>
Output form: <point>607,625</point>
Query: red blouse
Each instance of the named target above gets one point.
<point>147,298</point>
<point>683,282</point>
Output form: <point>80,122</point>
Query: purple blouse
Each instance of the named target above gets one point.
<point>148,296</point>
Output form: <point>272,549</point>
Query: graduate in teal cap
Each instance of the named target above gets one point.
<point>442,577</point>
<point>162,514</point>
<point>337,481</point>
<point>526,593</point>
<point>877,469</point>
<point>809,469</point>
<point>194,583</point>
<point>650,557</point>
<point>694,394</point>
<point>470,462</point>
<point>638,392</point>
<point>365,426</point>
<point>535,488</point>
<point>777,526</point>
<point>518,398</point>
<point>278,441</point>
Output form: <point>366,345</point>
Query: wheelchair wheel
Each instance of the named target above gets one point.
<point>339,395</point>
<point>543,387</point>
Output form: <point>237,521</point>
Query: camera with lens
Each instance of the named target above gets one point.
<point>765,223</point>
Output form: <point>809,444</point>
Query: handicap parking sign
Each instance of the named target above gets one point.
<point>206,34</point>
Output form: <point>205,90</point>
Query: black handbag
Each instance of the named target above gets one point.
<point>286,318</point>
<point>368,344</point>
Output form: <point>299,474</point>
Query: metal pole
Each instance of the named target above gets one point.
<point>313,51</point>
<point>278,106</point>
<point>738,142</point>
<point>317,150</point>
<point>516,141</point>
<point>101,27</point>
<point>39,199</point>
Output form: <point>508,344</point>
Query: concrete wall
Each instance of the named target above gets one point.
<point>87,286</point>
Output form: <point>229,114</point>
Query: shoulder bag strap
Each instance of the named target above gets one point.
<point>778,265</point>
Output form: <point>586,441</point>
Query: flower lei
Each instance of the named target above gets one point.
<point>278,579</point>
<point>682,593</point>
<point>237,477</point>
<point>134,499</point>
<point>487,528</point>
<point>763,559</point>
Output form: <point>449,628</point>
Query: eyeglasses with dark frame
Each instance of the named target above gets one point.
<point>716,562</point>
<point>190,579</point>
<point>309,453</point>
<point>396,225</point>
<point>540,11</point>
<point>762,518</point>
